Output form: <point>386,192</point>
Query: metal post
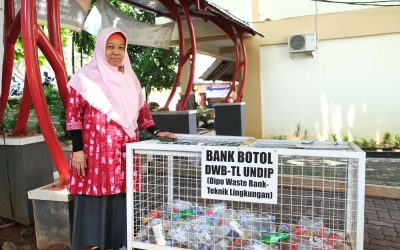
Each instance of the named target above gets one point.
<point>244,64</point>
<point>171,6</point>
<point>24,108</point>
<point>30,32</point>
<point>53,21</point>
<point>12,29</point>
<point>185,7</point>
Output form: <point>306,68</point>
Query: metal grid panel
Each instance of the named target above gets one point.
<point>317,205</point>
<point>203,140</point>
<point>306,145</point>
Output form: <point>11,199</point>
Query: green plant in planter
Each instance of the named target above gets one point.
<point>305,134</point>
<point>203,116</point>
<point>279,137</point>
<point>297,130</point>
<point>334,137</point>
<point>364,144</point>
<point>373,143</point>
<point>56,109</point>
<point>388,140</point>
<point>397,141</point>
<point>9,120</point>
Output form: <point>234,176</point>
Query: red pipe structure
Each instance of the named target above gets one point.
<point>227,27</point>
<point>23,114</point>
<point>185,6</point>
<point>55,58</point>
<point>243,64</point>
<point>12,29</point>
<point>32,37</point>
<point>54,53</point>
<point>173,9</point>
<point>230,31</point>
<point>190,56</point>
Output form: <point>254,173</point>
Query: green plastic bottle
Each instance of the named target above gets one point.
<point>275,238</point>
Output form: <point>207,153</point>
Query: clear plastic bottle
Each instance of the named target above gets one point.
<point>222,244</point>
<point>235,226</point>
<point>264,224</point>
<point>258,245</point>
<point>158,232</point>
<point>180,205</point>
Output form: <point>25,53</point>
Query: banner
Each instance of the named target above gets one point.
<point>105,15</point>
<point>239,174</point>
<point>72,12</point>
<point>216,91</point>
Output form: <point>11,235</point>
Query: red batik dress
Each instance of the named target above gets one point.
<point>104,143</point>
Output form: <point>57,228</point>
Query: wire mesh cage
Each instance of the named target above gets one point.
<point>318,202</point>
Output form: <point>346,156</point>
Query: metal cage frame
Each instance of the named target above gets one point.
<point>355,181</point>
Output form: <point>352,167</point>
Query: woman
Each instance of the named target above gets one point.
<point>105,108</point>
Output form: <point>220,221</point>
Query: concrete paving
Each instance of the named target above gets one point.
<point>382,215</point>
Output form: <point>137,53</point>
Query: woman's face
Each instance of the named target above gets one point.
<point>115,51</point>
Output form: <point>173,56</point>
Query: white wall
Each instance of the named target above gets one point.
<point>280,9</point>
<point>1,40</point>
<point>350,88</point>
<point>239,8</point>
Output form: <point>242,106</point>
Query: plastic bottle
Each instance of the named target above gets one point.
<point>245,217</point>
<point>336,240</point>
<point>158,231</point>
<point>265,224</point>
<point>274,238</point>
<point>179,205</point>
<point>204,247</point>
<point>258,245</point>
<point>311,226</point>
<point>199,210</point>
<point>222,244</point>
<point>235,226</point>
<point>152,215</point>
<point>221,230</point>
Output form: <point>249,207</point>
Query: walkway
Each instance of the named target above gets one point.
<point>382,215</point>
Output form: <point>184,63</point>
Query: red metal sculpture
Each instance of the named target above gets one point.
<point>240,50</point>
<point>234,32</point>
<point>190,56</point>
<point>25,22</point>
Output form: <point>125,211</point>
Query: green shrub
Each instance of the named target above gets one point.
<point>56,109</point>
<point>9,120</point>
<point>397,141</point>
<point>373,143</point>
<point>279,137</point>
<point>357,142</point>
<point>364,144</point>
<point>203,116</point>
<point>388,140</point>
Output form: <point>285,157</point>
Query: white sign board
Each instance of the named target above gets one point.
<point>239,174</point>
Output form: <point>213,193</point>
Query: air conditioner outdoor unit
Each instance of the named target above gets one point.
<point>302,43</point>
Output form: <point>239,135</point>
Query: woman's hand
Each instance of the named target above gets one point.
<point>166,134</point>
<point>79,162</point>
